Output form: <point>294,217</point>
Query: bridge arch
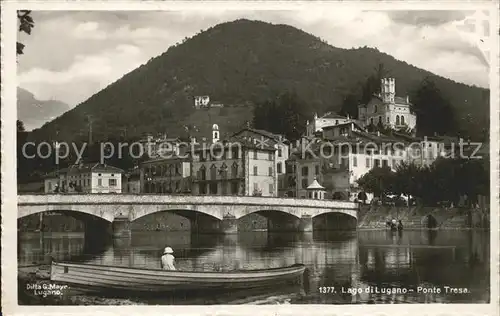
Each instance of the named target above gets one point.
<point>334,221</point>
<point>196,220</point>
<point>90,210</point>
<point>334,211</point>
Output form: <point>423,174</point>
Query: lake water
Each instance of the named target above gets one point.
<point>382,260</point>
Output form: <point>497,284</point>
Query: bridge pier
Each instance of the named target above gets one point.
<point>306,223</point>
<point>229,224</point>
<point>121,227</point>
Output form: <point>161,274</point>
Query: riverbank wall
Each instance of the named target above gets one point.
<point>421,217</point>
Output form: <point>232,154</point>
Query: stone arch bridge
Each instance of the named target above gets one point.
<point>216,213</point>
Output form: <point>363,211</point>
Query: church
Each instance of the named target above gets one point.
<point>388,109</point>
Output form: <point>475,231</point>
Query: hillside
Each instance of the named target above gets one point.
<point>245,62</point>
<point>34,113</point>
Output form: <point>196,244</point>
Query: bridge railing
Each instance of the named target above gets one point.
<point>183,194</point>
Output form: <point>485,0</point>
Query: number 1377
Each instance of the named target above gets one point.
<point>326,289</point>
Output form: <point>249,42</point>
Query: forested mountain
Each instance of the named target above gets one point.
<point>34,113</point>
<point>244,63</point>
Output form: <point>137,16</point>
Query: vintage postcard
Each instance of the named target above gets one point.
<point>201,157</point>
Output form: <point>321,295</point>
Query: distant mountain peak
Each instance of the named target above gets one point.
<point>33,112</point>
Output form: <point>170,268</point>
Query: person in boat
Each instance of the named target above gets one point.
<point>168,260</point>
<point>400,225</point>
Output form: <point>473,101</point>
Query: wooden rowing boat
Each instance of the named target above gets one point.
<point>155,280</point>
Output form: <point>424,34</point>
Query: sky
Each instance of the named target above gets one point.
<point>71,55</point>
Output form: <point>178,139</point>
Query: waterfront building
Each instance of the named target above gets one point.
<point>341,158</point>
<point>236,166</point>
<point>165,175</point>
<point>388,109</point>
<point>85,178</point>
<point>282,151</point>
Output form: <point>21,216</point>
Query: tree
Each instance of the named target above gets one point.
<point>284,114</point>
<point>434,113</point>
<point>20,126</point>
<point>372,84</point>
<point>378,181</point>
<point>350,106</point>
<point>26,23</point>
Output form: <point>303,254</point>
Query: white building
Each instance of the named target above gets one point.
<point>282,151</point>
<point>388,109</point>
<point>85,178</point>
<point>201,101</point>
<point>327,120</point>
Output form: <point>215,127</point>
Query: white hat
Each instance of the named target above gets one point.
<point>168,250</point>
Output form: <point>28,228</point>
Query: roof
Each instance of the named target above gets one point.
<point>401,100</point>
<point>333,115</point>
<point>397,100</point>
<point>275,137</point>
<point>315,186</point>
<point>164,159</point>
<point>345,124</point>
<point>92,167</point>
<point>231,143</point>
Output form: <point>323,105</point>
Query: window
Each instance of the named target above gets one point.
<point>402,120</point>
<point>278,168</point>
<point>235,153</point>
<point>305,171</point>
<point>213,172</point>
<point>271,155</point>
<point>380,119</point>
<point>345,162</point>
<point>271,189</point>
<point>304,183</point>
<point>99,182</point>
<point>354,161</point>
<point>316,170</point>
<point>213,187</point>
<point>393,163</point>
<point>234,170</point>
<point>375,108</point>
<point>203,174</point>
<point>255,154</point>
<point>255,170</point>
<point>203,188</point>
<point>280,152</point>
<point>377,163</point>
<point>234,187</point>
<point>397,119</point>
<point>112,182</point>
<point>271,171</point>
<point>367,162</point>
<point>371,121</point>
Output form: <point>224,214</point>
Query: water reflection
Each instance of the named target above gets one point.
<point>342,260</point>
